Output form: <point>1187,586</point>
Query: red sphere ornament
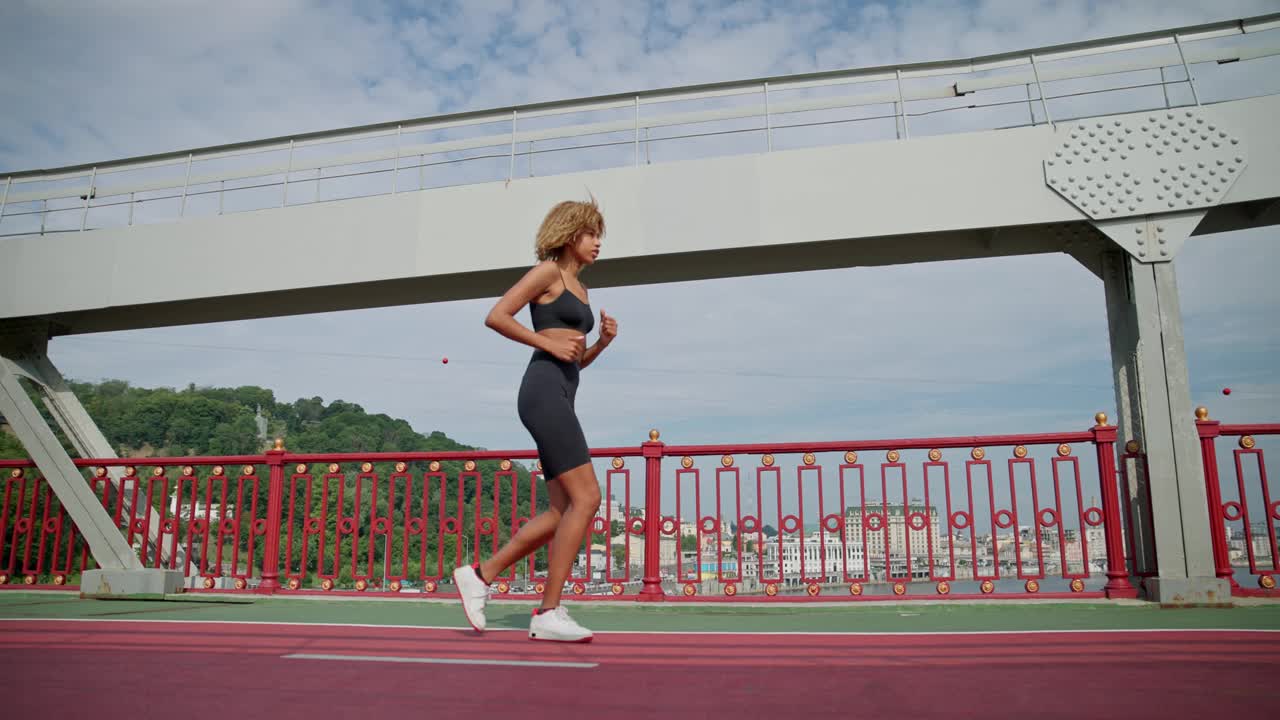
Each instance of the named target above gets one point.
<point>1226,391</point>
<point>444,361</point>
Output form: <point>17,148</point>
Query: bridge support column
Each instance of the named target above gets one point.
<point>119,571</point>
<point>1153,402</point>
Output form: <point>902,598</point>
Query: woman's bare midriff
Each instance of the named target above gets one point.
<point>560,333</point>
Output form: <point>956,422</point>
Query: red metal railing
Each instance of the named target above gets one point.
<point>1243,510</point>
<point>787,521</point>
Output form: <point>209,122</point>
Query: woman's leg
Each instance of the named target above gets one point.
<point>532,536</point>
<point>584,500</point>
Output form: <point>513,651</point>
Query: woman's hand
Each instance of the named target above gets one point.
<point>608,328</point>
<point>566,349</point>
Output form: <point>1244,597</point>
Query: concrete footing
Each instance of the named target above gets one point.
<point>147,583</point>
<point>1189,591</point>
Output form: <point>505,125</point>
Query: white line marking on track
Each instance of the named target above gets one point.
<point>441,661</point>
<point>820,633</point>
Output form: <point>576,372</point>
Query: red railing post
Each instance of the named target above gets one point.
<point>275,494</point>
<point>1209,431</point>
<point>1104,441</point>
<point>651,589</point>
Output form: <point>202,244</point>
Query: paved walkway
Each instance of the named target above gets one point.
<point>218,657</point>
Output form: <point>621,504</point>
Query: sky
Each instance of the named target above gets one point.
<point>955,348</point>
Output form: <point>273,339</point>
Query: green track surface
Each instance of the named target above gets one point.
<point>863,617</point>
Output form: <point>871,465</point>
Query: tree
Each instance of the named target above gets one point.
<point>689,542</point>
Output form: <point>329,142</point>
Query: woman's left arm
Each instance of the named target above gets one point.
<point>608,331</point>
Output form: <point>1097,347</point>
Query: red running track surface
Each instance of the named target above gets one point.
<point>114,669</point>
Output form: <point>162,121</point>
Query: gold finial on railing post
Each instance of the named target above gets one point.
<point>1202,413</point>
<point>279,446</point>
<point>1100,419</point>
<point>654,435</point>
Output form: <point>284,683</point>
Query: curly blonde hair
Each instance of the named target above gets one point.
<point>564,223</point>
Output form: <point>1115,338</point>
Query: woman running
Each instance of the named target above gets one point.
<point>568,241</point>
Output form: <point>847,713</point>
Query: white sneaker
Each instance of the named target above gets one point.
<point>557,626</point>
<point>474,594</point>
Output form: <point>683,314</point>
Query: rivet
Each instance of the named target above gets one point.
<point>1099,126</point>
<point>1163,241</point>
<point>1141,241</point>
<point>1139,198</point>
<point>1196,146</point>
<point>1169,115</point>
<point>1164,253</point>
<point>1170,203</point>
<point>1142,253</point>
<point>1197,191</point>
<point>1159,196</point>
<point>1159,228</point>
<point>1200,121</point>
<point>1222,162</point>
<point>1051,162</point>
<point>1137,181</point>
<point>1159,152</point>
<point>1235,141</point>
<point>1231,169</point>
<point>1068,161</point>
<point>1148,143</point>
<point>1138,230</point>
<point>1178,150</point>
<point>1239,159</point>
<point>1212,127</point>
<point>1075,195</point>
<point>1100,184</point>
<point>1178,194</point>
<point>1132,208</point>
<point>1189,113</point>
<point>1216,143</point>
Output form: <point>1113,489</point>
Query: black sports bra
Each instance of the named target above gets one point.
<point>574,315</point>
